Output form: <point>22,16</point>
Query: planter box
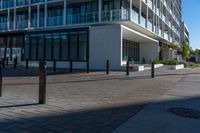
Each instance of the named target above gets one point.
<point>138,68</point>
<point>177,67</point>
<point>158,65</point>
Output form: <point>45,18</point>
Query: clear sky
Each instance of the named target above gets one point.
<point>191,15</point>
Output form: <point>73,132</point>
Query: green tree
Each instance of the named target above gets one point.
<point>186,50</point>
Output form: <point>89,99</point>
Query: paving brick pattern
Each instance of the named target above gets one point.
<point>78,103</point>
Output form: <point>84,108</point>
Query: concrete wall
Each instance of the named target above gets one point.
<point>149,51</point>
<point>105,44</point>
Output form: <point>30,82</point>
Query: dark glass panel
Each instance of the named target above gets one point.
<point>40,46</point>
<point>33,47</point>
<point>56,46</point>
<point>73,46</point>
<point>82,46</point>
<point>48,51</point>
<point>64,46</point>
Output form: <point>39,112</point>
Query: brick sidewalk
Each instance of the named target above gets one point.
<point>78,102</point>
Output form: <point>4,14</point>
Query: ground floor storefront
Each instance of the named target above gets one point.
<point>89,45</point>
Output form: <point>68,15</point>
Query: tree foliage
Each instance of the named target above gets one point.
<point>174,47</point>
<point>186,50</point>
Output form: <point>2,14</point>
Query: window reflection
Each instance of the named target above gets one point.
<point>130,50</point>
<point>59,46</point>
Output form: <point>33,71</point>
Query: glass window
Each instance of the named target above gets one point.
<point>33,48</point>
<point>82,46</point>
<point>26,47</point>
<point>41,19</point>
<point>59,46</point>
<point>73,46</point>
<point>40,46</point>
<point>130,50</point>
<point>64,46</point>
<point>48,51</point>
<point>69,15</point>
<point>56,46</point>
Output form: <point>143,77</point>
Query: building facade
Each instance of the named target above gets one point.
<point>185,36</point>
<point>90,31</point>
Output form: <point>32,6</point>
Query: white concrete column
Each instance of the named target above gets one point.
<point>29,14</point>
<point>38,15</point>
<point>130,9</point>
<point>8,19</point>
<point>45,14</point>
<point>65,12</point>
<point>14,15</point>
<point>99,10</point>
<point>140,11</point>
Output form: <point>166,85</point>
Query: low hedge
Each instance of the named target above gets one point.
<point>168,62</point>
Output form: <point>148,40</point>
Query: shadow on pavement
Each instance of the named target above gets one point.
<point>100,120</point>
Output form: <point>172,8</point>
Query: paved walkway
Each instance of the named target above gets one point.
<point>156,117</point>
<point>82,102</point>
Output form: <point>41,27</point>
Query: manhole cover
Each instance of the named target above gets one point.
<point>185,112</point>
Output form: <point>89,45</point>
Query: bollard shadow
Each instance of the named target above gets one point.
<point>108,78</point>
<point>19,105</point>
<point>175,74</point>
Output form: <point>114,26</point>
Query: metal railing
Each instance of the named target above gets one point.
<point>115,15</point>
<point>82,18</point>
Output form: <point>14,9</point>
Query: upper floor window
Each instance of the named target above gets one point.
<point>21,2</point>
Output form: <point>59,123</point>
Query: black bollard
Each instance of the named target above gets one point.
<point>107,67</point>
<point>26,63</point>
<point>152,70</point>
<point>16,59</point>
<point>15,63</point>
<point>3,63</point>
<point>1,78</point>
<point>7,61</point>
<point>88,67</point>
<point>54,65</point>
<point>127,68</point>
<point>42,82</point>
<point>71,66</point>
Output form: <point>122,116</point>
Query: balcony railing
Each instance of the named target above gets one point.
<point>143,22</point>
<point>149,25</point>
<point>113,15</point>
<point>87,18</point>
<point>3,26</point>
<point>82,18</point>
<point>53,21</point>
<point>22,24</point>
<point>135,16</point>
<point>34,23</point>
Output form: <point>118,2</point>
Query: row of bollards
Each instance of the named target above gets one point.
<point>42,75</point>
<point>128,68</point>
<point>5,62</point>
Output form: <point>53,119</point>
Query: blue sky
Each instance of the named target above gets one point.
<point>191,15</point>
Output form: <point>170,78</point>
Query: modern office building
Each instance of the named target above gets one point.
<point>184,33</point>
<point>89,30</point>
